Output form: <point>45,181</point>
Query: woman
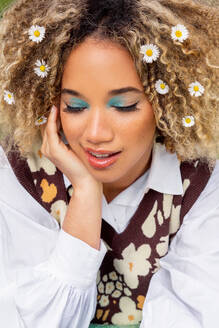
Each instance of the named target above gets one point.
<point>92,195</point>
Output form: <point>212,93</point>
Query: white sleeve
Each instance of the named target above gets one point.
<point>47,277</point>
<point>185,290</point>
<point>59,292</point>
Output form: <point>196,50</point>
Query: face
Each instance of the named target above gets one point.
<point>103,108</point>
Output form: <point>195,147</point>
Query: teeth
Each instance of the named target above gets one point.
<point>100,156</point>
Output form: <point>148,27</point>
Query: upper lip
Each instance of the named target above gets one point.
<point>101,151</point>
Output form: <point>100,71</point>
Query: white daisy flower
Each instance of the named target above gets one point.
<point>161,87</point>
<point>41,120</point>
<point>41,68</point>
<point>188,121</point>
<point>36,33</point>
<point>151,52</point>
<point>9,97</point>
<point>179,33</point>
<point>196,89</point>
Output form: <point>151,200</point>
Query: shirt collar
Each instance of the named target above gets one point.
<point>165,175</point>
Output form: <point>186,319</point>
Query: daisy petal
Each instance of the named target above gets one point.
<point>179,33</point>
<point>188,121</point>
<point>161,87</point>
<point>196,89</point>
<point>41,120</point>
<point>36,33</point>
<point>9,97</point>
<point>150,51</point>
<point>41,68</point>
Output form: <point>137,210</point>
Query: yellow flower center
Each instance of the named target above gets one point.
<point>37,33</point>
<point>131,317</point>
<point>162,85</point>
<point>149,52</point>
<point>196,88</point>
<point>58,213</point>
<point>188,120</point>
<point>178,34</point>
<point>42,68</point>
<point>9,96</point>
<point>40,120</point>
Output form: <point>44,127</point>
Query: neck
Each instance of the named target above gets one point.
<point>111,190</point>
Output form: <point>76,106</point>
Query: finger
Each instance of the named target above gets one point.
<point>51,128</point>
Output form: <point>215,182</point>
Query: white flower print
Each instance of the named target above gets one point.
<point>127,292</point>
<point>105,278</point>
<point>149,225</point>
<point>134,264</point>
<point>162,247</point>
<point>129,314</point>
<point>104,300</point>
<point>101,288</point>
<point>116,294</point>
<point>119,285</point>
<point>37,160</point>
<point>58,210</point>
<point>113,275</point>
<point>109,287</point>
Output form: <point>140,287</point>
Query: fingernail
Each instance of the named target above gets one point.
<point>53,109</point>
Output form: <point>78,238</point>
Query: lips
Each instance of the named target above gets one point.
<point>101,151</point>
<point>101,162</point>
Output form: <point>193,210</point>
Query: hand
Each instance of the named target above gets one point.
<point>62,155</point>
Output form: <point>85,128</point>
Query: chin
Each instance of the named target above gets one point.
<point>105,176</point>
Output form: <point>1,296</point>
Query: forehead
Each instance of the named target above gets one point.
<point>100,63</point>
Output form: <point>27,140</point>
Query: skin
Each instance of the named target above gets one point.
<point>93,69</point>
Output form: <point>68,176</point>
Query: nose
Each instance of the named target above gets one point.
<point>99,128</point>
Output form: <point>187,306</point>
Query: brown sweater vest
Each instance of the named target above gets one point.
<point>133,255</point>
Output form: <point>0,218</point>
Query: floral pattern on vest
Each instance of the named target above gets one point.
<point>133,255</point>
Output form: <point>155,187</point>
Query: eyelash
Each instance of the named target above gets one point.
<point>120,109</point>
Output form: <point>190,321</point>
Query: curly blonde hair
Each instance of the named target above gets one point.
<point>132,23</point>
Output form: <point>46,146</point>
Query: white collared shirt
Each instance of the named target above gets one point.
<point>48,277</point>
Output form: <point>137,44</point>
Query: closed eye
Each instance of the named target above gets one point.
<point>73,109</point>
<point>130,108</point>
<point>127,108</point>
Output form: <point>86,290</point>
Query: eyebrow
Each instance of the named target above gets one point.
<point>111,93</point>
<point>124,90</point>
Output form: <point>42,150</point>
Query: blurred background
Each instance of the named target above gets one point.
<point>4,4</point>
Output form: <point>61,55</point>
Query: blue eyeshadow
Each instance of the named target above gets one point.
<point>116,102</point>
<point>75,102</point>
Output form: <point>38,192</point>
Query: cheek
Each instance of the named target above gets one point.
<point>141,130</point>
<point>70,127</point>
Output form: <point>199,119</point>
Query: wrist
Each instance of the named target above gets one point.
<point>88,186</point>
